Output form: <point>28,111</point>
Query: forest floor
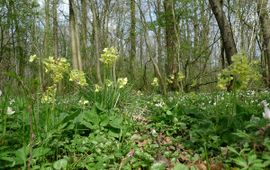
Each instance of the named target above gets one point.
<point>131,130</point>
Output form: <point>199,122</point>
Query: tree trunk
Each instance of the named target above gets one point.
<point>105,23</point>
<point>225,29</point>
<point>55,28</point>
<point>264,20</point>
<point>132,38</point>
<point>171,62</point>
<point>96,39</point>
<point>84,5</point>
<point>75,45</point>
<point>47,29</point>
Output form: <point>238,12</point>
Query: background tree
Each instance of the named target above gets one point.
<point>263,12</point>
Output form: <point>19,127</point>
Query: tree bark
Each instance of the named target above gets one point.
<point>225,29</point>
<point>96,29</point>
<point>170,35</point>
<point>264,20</point>
<point>75,45</point>
<point>55,28</point>
<point>132,38</point>
<point>84,5</point>
<point>47,29</point>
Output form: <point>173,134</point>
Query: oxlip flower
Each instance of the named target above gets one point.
<point>155,82</point>
<point>32,58</point>
<point>121,82</point>
<point>97,88</point>
<point>83,102</point>
<point>266,113</point>
<point>10,111</point>
<point>11,101</point>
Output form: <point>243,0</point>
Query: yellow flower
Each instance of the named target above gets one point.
<point>155,82</point>
<point>78,77</point>
<point>97,88</point>
<point>122,82</point>
<point>83,102</point>
<point>49,95</point>
<point>109,56</point>
<point>180,76</point>
<point>170,79</point>
<point>57,68</point>
<point>108,83</point>
<point>32,58</point>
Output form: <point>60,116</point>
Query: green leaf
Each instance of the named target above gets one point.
<point>22,154</point>
<point>180,166</point>
<point>41,151</point>
<point>241,162</point>
<point>116,122</point>
<point>168,112</point>
<point>104,120</point>
<point>60,164</point>
<point>89,125</point>
<point>92,116</point>
<point>232,150</point>
<point>158,166</point>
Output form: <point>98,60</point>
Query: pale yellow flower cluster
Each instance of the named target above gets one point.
<point>108,83</point>
<point>78,77</point>
<point>32,58</point>
<point>57,68</point>
<point>97,88</point>
<point>49,95</point>
<point>83,102</point>
<point>122,82</point>
<point>155,82</point>
<point>240,71</point>
<point>109,56</point>
<point>180,76</point>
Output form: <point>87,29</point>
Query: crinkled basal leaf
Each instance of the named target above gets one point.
<point>116,122</point>
<point>60,164</point>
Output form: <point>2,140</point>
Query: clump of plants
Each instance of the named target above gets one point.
<point>239,74</point>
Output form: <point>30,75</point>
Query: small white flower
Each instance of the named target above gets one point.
<point>10,111</point>
<point>83,102</point>
<point>160,104</point>
<point>1,93</point>
<point>153,132</point>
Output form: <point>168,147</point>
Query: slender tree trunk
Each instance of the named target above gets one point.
<point>96,39</point>
<point>105,26</point>
<point>47,29</point>
<point>225,29</point>
<point>265,30</point>
<point>84,5</point>
<point>132,39</point>
<point>55,28</point>
<point>159,37</point>
<point>75,45</point>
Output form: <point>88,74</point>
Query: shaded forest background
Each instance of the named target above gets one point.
<point>185,44</point>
